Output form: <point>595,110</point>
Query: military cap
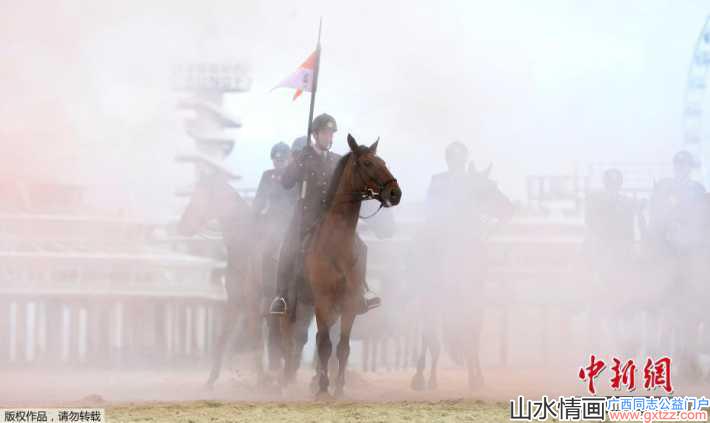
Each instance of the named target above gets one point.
<point>298,144</point>
<point>280,150</point>
<point>324,121</point>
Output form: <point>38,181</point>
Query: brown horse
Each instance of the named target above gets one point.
<point>458,265</point>
<point>331,261</point>
<point>214,199</point>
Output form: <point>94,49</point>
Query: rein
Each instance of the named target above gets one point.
<point>367,193</point>
<point>372,215</point>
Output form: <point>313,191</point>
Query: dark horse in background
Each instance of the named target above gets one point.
<point>214,199</point>
<point>450,262</point>
<point>331,266</point>
<point>380,327</point>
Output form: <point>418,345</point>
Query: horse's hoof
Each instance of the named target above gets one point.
<point>324,396</point>
<point>339,393</point>
<point>418,382</point>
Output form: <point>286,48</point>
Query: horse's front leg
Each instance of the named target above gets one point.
<point>229,324</point>
<point>418,382</point>
<point>435,348</point>
<point>343,352</point>
<point>473,362</point>
<point>325,348</point>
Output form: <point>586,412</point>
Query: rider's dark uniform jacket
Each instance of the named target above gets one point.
<point>609,243</point>
<point>610,218</point>
<point>272,210</point>
<point>453,203</point>
<point>273,204</point>
<point>309,174</point>
<point>446,195</point>
<point>315,168</point>
<point>678,215</point>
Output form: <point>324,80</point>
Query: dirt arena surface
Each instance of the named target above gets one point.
<point>101,387</point>
<point>370,397</point>
<point>403,411</point>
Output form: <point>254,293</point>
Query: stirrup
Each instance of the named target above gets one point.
<point>278,306</point>
<point>371,303</point>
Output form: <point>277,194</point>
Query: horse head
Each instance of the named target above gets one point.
<point>371,175</point>
<point>488,194</point>
<point>212,198</point>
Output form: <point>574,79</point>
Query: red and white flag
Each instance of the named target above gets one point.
<point>302,78</point>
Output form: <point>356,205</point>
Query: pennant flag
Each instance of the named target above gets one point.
<point>302,78</point>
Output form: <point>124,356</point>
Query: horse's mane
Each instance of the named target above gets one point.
<point>335,180</point>
<point>338,174</point>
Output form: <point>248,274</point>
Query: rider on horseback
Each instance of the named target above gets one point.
<point>677,226</point>
<point>272,208</point>
<point>677,213</point>
<point>312,169</point>
<point>610,218</point>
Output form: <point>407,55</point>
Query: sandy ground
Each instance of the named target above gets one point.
<point>23,388</point>
<point>211,411</point>
<point>182,397</point>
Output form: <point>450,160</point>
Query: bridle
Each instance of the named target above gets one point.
<point>368,192</point>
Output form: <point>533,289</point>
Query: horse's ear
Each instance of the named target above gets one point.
<point>373,147</point>
<point>352,144</point>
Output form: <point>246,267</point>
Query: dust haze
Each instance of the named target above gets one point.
<point>553,88</point>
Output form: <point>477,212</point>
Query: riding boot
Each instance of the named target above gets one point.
<point>368,302</point>
<point>284,274</point>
